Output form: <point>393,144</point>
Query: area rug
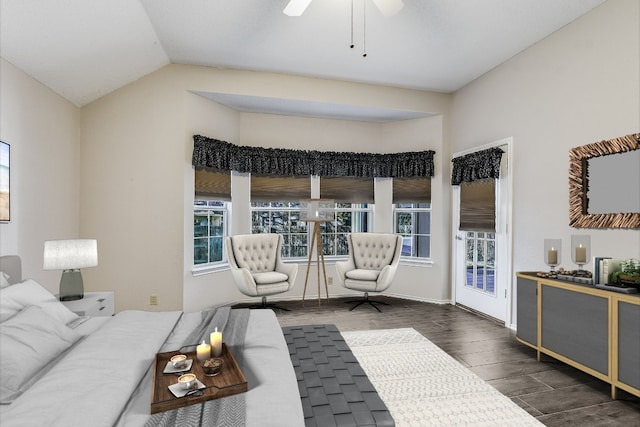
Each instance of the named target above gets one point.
<point>424,386</point>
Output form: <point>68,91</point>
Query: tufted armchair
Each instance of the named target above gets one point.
<point>373,260</point>
<point>257,267</point>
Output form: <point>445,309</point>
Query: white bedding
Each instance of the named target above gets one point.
<point>105,379</point>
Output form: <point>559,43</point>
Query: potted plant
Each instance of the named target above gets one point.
<point>630,273</point>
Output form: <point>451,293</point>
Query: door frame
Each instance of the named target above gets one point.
<point>504,242</point>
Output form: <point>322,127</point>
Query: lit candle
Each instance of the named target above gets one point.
<point>552,257</point>
<point>216,343</point>
<point>581,254</point>
<point>203,351</point>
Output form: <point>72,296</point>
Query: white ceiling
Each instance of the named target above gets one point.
<point>84,49</point>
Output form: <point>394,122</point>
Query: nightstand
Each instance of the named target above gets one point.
<point>93,304</point>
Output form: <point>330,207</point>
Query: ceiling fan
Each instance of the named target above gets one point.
<point>386,7</point>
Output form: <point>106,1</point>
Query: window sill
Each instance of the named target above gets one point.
<point>422,262</point>
<point>200,271</point>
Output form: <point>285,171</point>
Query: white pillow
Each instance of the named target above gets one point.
<point>16,297</point>
<point>4,280</point>
<point>29,341</point>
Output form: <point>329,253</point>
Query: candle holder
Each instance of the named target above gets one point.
<point>552,253</point>
<point>580,252</point>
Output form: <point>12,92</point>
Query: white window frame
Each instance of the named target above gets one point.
<point>396,210</point>
<point>225,208</point>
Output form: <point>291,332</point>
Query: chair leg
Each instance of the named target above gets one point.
<point>367,301</point>
<point>264,304</point>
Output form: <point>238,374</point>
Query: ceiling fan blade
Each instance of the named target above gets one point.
<point>296,7</point>
<point>388,7</point>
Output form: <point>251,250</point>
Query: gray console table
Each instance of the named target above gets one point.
<point>594,330</point>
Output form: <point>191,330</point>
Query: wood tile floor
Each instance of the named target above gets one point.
<point>557,394</point>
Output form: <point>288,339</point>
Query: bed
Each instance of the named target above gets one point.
<point>59,369</point>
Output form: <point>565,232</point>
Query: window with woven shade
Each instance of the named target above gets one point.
<point>275,208</point>
<point>210,216</point>
<point>412,215</point>
<point>347,189</point>
<point>212,185</point>
<point>478,205</point>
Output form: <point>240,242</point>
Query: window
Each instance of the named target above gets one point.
<point>413,222</point>
<point>210,216</point>
<point>282,218</point>
<point>412,215</point>
<point>352,212</point>
<point>348,218</point>
<point>209,230</point>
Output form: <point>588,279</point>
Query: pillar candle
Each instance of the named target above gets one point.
<point>203,352</point>
<point>581,255</point>
<point>552,257</point>
<point>216,343</point>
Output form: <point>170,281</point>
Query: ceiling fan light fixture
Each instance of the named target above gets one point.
<point>296,7</point>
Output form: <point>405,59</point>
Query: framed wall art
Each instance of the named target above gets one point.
<point>5,177</point>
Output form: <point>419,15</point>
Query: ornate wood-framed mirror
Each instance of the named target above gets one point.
<point>581,214</point>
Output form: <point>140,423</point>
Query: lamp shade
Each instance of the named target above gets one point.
<point>70,254</point>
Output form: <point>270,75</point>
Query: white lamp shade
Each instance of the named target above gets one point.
<point>70,254</point>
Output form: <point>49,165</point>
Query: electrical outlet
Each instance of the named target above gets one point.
<point>153,299</point>
<point>330,280</point>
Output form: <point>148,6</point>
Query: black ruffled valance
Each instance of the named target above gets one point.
<point>476,166</point>
<point>209,153</point>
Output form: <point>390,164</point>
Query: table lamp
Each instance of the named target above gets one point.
<point>70,256</point>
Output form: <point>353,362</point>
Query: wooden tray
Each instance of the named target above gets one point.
<point>229,381</point>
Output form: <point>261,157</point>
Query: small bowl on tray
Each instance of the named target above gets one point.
<point>212,367</point>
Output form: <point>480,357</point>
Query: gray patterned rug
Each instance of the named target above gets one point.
<point>424,386</point>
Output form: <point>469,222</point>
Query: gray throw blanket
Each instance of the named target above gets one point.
<point>227,411</point>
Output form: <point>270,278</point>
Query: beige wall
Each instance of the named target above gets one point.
<point>136,156</point>
<point>119,169</point>
<point>43,130</point>
<point>578,86</point>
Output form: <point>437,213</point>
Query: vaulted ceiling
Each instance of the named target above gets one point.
<point>84,49</point>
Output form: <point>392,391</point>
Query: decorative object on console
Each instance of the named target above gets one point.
<point>552,253</point>
<point>70,256</point>
<point>629,273</point>
<point>580,251</point>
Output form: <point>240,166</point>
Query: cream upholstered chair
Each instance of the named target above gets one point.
<point>257,266</point>
<point>373,261</point>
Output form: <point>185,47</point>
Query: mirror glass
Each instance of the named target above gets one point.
<point>614,183</point>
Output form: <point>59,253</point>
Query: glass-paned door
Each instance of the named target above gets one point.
<point>481,261</point>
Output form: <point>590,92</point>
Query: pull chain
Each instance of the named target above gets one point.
<point>364,28</point>
<point>352,24</point>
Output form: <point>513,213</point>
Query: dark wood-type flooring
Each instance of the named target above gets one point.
<point>557,394</point>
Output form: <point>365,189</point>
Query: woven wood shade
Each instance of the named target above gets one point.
<point>347,189</point>
<point>478,205</point>
<point>267,188</point>
<point>213,185</point>
<point>412,190</point>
